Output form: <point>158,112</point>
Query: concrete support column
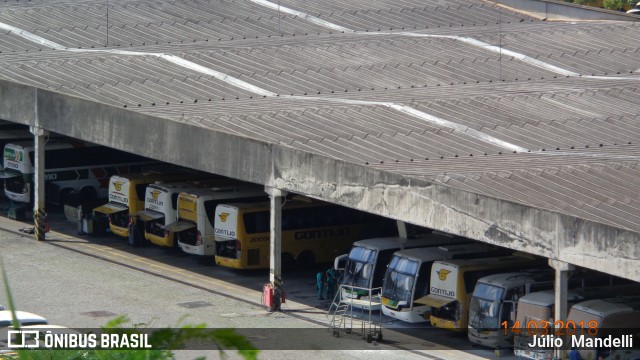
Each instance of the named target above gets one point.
<point>561,288</point>
<point>402,228</point>
<point>39,215</point>
<point>275,245</point>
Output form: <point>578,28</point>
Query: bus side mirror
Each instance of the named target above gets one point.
<point>340,261</point>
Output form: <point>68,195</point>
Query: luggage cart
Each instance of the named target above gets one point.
<point>343,319</point>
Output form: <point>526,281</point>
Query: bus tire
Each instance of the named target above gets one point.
<point>369,338</point>
<point>305,260</point>
<point>379,339</point>
<point>288,263</point>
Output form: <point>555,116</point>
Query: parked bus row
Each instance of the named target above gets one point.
<point>446,281</point>
<point>198,213</point>
<point>71,167</point>
<point>457,285</point>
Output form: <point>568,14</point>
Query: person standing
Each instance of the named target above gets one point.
<point>320,284</point>
<point>574,354</point>
<point>332,278</point>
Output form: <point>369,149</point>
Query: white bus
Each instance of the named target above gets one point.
<point>194,228</point>
<point>70,166</point>
<point>602,318</point>
<point>495,301</point>
<point>537,307</point>
<point>409,272</point>
<point>366,264</point>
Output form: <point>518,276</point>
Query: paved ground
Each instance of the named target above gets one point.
<point>82,282</point>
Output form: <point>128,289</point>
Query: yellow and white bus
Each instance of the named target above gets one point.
<point>453,281</point>
<point>126,196</point>
<point>196,211</point>
<point>312,232</point>
<point>408,274</point>
<point>161,208</point>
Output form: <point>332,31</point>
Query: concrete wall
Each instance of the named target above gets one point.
<point>559,10</point>
<point>416,201</point>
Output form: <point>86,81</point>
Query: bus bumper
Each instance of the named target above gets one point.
<point>226,262</point>
<point>446,324</point>
<point>488,338</point>
<point>411,316</point>
<point>22,198</point>
<point>119,231</point>
<point>160,240</point>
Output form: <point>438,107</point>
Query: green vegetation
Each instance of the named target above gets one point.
<point>615,4</point>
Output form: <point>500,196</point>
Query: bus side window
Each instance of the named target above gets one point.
<point>515,293</point>
<point>140,191</point>
<point>256,222</point>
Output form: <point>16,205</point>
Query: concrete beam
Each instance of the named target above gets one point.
<point>496,221</point>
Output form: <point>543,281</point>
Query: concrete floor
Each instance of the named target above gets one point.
<point>82,282</point>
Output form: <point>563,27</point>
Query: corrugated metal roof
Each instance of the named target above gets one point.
<point>395,95</point>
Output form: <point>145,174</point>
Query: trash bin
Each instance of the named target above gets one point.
<point>18,212</point>
<point>133,235</point>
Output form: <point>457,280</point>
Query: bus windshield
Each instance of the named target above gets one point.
<point>485,304</point>
<point>359,267</point>
<point>398,282</point>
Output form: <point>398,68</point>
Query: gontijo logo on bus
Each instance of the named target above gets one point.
<point>153,200</point>
<point>442,274</point>
<point>441,283</point>
<point>116,193</point>
<point>226,223</point>
<point>118,185</point>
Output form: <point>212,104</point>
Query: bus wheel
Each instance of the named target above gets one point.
<point>379,336</point>
<point>288,262</point>
<point>305,260</point>
<point>369,338</point>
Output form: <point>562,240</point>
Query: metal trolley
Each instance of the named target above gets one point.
<point>344,320</point>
